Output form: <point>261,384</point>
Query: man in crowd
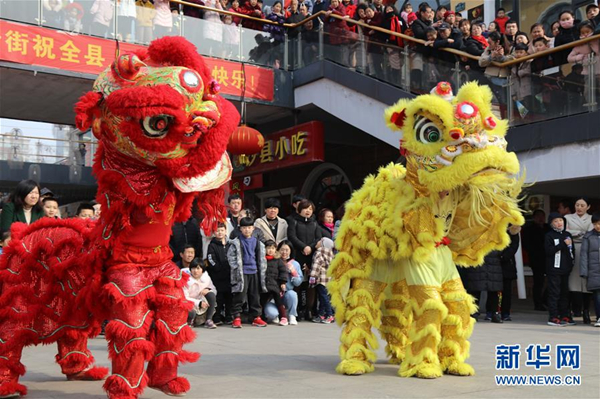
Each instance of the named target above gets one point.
<point>273,227</point>
<point>187,255</point>
<point>512,28</point>
<point>234,214</point>
<point>533,243</point>
<point>183,233</point>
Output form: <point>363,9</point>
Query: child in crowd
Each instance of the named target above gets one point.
<point>501,19</point>
<point>50,205</point>
<point>318,277</point>
<point>545,77</point>
<point>275,280</point>
<point>589,262</point>
<point>294,279</point>
<point>406,10</point>
<point>201,291</point>
<point>85,211</point>
<point>574,86</point>
<point>580,54</point>
<point>231,38</point>
<point>73,15</point>
<point>558,245</point>
<point>4,240</point>
<point>220,273</point>
<point>521,81</point>
<point>246,256</point>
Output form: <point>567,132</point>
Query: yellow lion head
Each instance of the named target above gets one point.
<point>453,141</point>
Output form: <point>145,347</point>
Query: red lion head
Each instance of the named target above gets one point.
<point>161,107</point>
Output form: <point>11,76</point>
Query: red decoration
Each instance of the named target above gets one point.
<point>398,118</point>
<point>245,140</point>
<point>489,123</point>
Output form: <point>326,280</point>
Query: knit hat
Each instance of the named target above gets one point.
<point>552,216</point>
<point>448,13</point>
<point>327,243</point>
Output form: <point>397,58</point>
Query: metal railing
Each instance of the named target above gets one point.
<point>548,95</point>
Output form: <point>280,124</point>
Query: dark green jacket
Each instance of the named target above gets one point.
<point>9,216</point>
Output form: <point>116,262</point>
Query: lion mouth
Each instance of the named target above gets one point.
<point>209,180</point>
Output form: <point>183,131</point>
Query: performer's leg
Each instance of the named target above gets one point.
<point>75,359</point>
<point>428,311</point>
<point>395,321</point>
<point>456,328</point>
<point>11,367</point>
<point>129,289</point>
<point>170,333</point>
<point>362,313</point>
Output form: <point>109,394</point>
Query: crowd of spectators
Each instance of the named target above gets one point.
<point>273,269</point>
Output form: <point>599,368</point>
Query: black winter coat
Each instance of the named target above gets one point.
<point>554,243</point>
<point>507,259</point>
<point>565,36</point>
<point>276,274</point>
<point>303,232</point>
<point>533,243</point>
<point>186,233</point>
<point>325,232</point>
<point>219,269</point>
<point>487,277</point>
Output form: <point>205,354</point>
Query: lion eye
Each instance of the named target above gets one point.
<point>156,126</point>
<point>426,131</point>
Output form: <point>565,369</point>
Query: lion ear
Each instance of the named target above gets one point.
<point>396,115</point>
<point>86,109</point>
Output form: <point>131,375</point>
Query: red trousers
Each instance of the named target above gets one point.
<point>141,298</point>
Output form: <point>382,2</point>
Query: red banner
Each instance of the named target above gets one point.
<point>32,45</point>
<point>294,146</point>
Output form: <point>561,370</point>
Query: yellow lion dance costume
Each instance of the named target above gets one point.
<point>406,228</point>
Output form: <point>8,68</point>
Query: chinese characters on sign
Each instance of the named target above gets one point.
<point>538,356</point>
<point>34,45</point>
<point>298,145</point>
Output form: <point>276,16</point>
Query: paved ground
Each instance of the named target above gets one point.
<point>299,361</point>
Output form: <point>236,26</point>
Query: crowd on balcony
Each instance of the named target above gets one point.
<point>534,87</point>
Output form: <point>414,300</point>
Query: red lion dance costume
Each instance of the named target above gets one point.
<point>163,132</point>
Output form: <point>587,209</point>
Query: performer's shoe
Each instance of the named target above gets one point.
<point>93,373</point>
<point>177,387</point>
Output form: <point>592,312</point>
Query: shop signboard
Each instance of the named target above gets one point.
<point>238,185</point>
<point>33,45</point>
<point>298,145</point>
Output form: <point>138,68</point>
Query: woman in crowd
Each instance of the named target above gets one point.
<point>305,234</point>
<point>555,29</point>
<point>567,33</point>
<point>338,31</point>
<point>163,19</point>
<point>212,27</point>
<point>589,265</point>
<point>294,279</point>
<point>277,31</point>
<point>23,205</point>
<point>578,224</point>
<point>580,54</point>
<point>393,59</point>
<point>326,222</point>
<point>475,44</point>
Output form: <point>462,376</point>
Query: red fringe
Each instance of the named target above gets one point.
<point>115,330</point>
<point>185,335</point>
<point>188,357</point>
<point>178,303</point>
<point>85,109</point>
<point>112,293</point>
<point>117,388</point>
<point>211,205</point>
<point>7,388</point>
<point>144,347</point>
<point>14,366</point>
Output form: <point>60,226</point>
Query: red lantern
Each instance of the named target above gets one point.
<point>245,140</point>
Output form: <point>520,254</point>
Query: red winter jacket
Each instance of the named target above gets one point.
<point>253,11</point>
